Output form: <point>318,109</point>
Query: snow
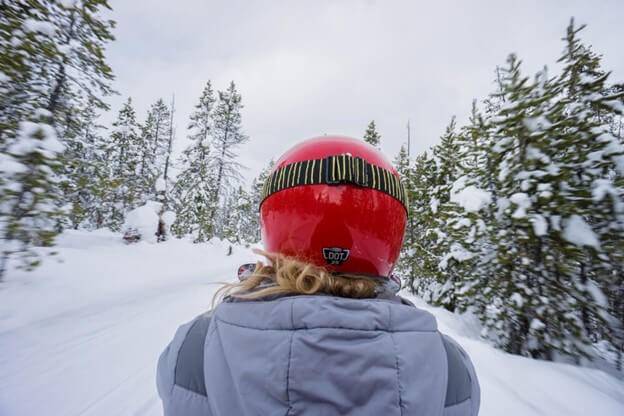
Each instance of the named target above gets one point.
<point>36,137</point>
<point>456,252</point>
<point>461,223</point>
<point>68,4</point>
<point>45,28</point>
<point>143,221</point>
<point>517,299</point>
<point>533,153</point>
<point>502,145</point>
<point>538,123</point>
<point>11,166</point>
<point>470,198</point>
<point>523,202</point>
<point>160,185</point>
<point>434,205</point>
<point>81,334</point>
<point>601,188</point>
<point>615,105</point>
<point>540,225</point>
<point>578,232</point>
<point>519,386</point>
<point>168,218</point>
<point>597,294</point>
<point>537,325</point>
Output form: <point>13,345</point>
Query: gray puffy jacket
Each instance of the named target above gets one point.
<point>316,355</point>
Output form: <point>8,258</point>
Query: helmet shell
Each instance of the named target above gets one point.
<point>343,227</point>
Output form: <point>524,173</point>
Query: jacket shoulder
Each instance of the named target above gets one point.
<point>180,366</point>
<point>462,392</point>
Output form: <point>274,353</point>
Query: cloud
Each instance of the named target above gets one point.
<point>308,68</point>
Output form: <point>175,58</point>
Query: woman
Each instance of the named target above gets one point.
<point>320,329</point>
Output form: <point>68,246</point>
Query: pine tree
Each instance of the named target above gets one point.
<point>30,192</point>
<point>519,215</point>
<point>402,165</point>
<point>51,65</point>
<point>85,171</point>
<point>238,217</point>
<point>156,134</point>
<point>194,190</point>
<point>226,138</point>
<point>163,184</point>
<point>589,107</point>
<point>421,265</point>
<point>447,164</point>
<point>123,156</point>
<point>371,136</point>
<point>252,234</point>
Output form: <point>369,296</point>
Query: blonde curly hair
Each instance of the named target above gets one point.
<point>287,275</point>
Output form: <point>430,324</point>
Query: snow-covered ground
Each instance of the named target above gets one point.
<point>81,334</point>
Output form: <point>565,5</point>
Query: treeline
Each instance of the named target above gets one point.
<point>53,77</point>
<point>129,185</point>
<point>519,215</point>
<point>60,169</point>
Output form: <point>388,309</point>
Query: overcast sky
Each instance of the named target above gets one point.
<point>305,68</point>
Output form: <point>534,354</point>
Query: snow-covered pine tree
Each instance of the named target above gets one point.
<point>123,154</point>
<point>166,217</point>
<point>446,155</point>
<point>194,189</point>
<point>403,166</point>
<point>519,309</point>
<point>371,135</point>
<point>51,64</point>
<point>421,265</point>
<point>85,171</point>
<point>77,78</point>
<point>19,42</point>
<point>252,235</point>
<point>239,218</point>
<point>466,214</point>
<point>538,275</point>
<point>155,135</point>
<point>227,137</point>
<point>594,224</point>
<point>30,192</point>
<point>545,245</point>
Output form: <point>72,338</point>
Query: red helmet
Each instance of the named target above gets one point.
<point>335,202</point>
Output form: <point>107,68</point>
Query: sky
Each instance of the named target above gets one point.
<point>308,68</point>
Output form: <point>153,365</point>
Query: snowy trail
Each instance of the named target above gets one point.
<point>82,337</point>
<point>97,361</point>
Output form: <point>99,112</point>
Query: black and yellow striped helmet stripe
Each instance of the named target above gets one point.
<point>335,170</point>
